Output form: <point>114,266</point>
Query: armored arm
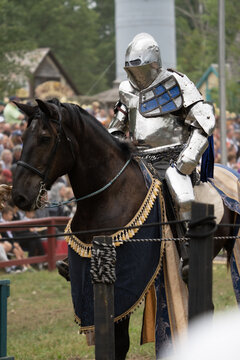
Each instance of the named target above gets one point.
<point>202,122</point>
<point>119,124</point>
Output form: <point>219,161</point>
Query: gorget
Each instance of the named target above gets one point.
<point>153,120</point>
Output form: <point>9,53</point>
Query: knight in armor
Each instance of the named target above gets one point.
<point>165,116</point>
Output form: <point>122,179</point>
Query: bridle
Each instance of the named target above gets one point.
<point>44,175</point>
<point>41,198</point>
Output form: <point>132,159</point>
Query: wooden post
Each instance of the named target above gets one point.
<point>4,293</point>
<point>51,247</point>
<point>200,262</point>
<point>103,309</point>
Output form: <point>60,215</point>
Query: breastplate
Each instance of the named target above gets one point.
<point>157,131</point>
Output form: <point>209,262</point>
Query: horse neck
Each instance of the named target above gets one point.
<point>98,161</point>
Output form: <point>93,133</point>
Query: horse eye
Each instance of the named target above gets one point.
<point>45,139</point>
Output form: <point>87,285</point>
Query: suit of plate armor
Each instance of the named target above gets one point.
<point>162,110</point>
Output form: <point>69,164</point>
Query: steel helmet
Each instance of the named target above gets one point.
<point>142,60</point>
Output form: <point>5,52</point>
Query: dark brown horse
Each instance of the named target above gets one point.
<point>65,139</point>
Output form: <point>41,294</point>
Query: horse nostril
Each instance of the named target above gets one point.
<point>20,200</point>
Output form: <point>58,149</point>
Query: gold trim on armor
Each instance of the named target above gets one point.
<point>85,250</point>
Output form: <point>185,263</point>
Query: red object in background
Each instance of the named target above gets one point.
<point>61,246</point>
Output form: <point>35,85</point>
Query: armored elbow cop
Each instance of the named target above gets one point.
<point>201,118</point>
<point>190,156</point>
<point>118,125</point>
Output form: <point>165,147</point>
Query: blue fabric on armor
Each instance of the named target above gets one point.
<point>149,105</point>
<point>235,266</point>
<point>159,90</point>
<point>207,164</point>
<point>169,107</point>
<point>175,91</point>
<point>161,98</point>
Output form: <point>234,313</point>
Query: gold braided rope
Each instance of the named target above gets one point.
<point>84,250</point>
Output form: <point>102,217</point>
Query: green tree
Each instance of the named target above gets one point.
<point>197,41</point>
<point>73,29</point>
<point>70,29</point>
<point>106,43</point>
<point>13,39</point>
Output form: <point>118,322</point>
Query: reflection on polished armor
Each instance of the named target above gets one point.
<point>161,109</point>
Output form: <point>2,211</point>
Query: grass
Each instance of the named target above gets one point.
<point>40,317</point>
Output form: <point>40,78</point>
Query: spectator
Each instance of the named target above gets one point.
<point>6,176</point>
<point>17,150</point>
<point>5,248</point>
<point>6,159</point>
<point>11,112</point>
<point>17,213</point>
<point>22,126</point>
<point>2,106</point>
<point>231,160</point>
<point>109,118</point>
<point>16,137</point>
<point>94,109</point>
<point>7,129</point>
<point>101,116</point>
<point>7,142</point>
<point>7,216</point>
<point>32,243</point>
<point>231,140</point>
<point>53,194</point>
<point>66,194</point>
<point>1,143</point>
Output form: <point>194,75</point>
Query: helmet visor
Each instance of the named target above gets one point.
<point>141,76</point>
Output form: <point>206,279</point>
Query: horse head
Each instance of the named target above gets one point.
<point>46,142</point>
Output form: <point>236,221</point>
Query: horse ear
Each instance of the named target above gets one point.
<point>46,107</point>
<point>27,109</point>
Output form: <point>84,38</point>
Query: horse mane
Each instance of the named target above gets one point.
<point>78,113</point>
<point>80,117</point>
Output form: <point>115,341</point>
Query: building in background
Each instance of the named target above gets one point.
<point>210,81</point>
<point>42,76</point>
<point>156,17</point>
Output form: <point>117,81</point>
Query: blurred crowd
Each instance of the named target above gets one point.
<point>232,143</point>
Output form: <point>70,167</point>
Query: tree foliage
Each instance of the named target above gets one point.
<point>197,41</point>
<point>81,33</point>
<point>74,29</point>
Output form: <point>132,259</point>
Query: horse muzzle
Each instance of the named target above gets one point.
<point>22,201</point>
